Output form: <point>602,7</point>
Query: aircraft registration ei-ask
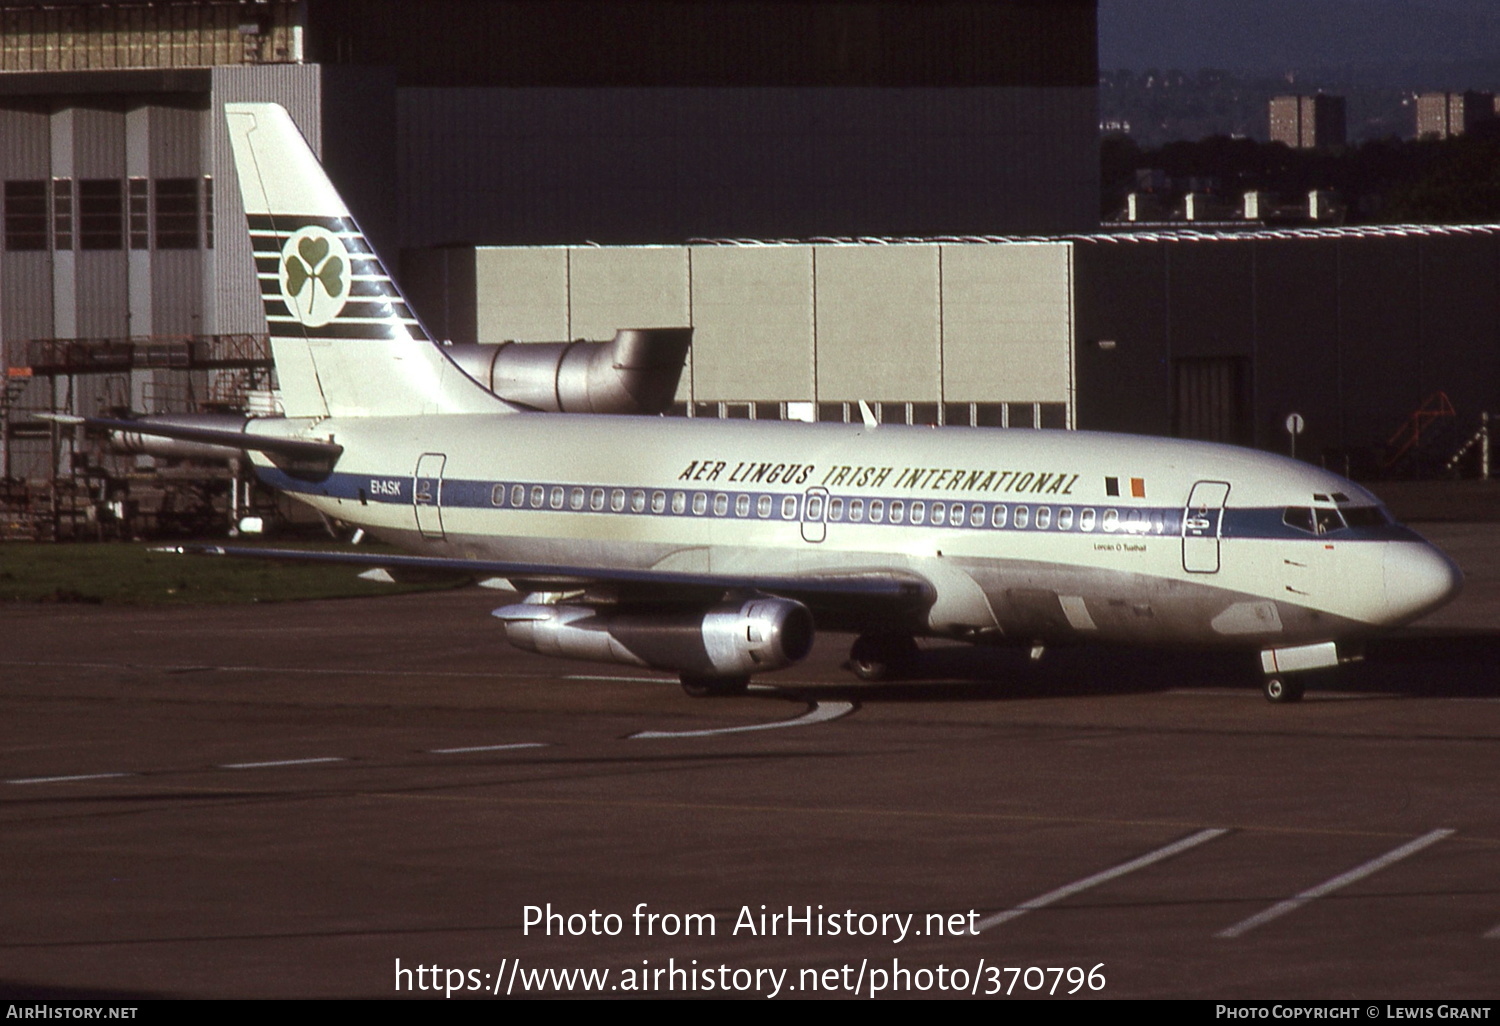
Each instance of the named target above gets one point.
<point>715,549</point>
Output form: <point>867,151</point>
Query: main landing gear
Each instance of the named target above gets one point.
<point>701,686</point>
<point>876,657</point>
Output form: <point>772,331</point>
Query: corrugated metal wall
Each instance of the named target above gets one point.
<point>830,323</point>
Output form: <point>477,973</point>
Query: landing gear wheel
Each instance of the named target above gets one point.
<point>877,657</point>
<point>700,686</point>
<point>1281,690</point>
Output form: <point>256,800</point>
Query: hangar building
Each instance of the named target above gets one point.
<point>1211,335</point>
<point>510,122</point>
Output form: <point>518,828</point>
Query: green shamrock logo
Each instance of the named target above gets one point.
<point>312,262</point>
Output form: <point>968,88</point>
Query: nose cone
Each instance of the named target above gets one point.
<point>1418,579</point>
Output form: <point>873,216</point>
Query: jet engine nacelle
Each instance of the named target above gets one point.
<point>727,640</point>
<point>635,372</point>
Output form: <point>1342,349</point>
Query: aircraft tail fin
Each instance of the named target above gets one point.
<point>344,340</point>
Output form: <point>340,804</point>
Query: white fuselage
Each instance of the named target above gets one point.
<point>1028,535</point>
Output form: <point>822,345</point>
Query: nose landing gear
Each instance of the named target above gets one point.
<point>1281,689</point>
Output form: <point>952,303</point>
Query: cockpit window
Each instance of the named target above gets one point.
<point>1366,516</point>
<point>1299,517</point>
<point>1313,521</point>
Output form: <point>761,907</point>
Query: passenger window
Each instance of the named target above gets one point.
<point>835,509</point>
<point>999,515</point>
<point>538,496</point>
<point>679,502</point>
<point>763,506</point>
<point>898,511</point>
<point>596,499</point>
<point>518,495</point>
<point>976,515</point>
<point>1022,517</point>
<point>497,495</point>
<point>700,503</point>
<point>575,498</point>
<point>1086,520</point>
<point>939,514</point>
<point>742,505</point>
<point>721,504</point>
<point>918,512</point>
<point>1043,517</point>
<point>617,500</point>
<point>789,508</point>
<point>637,501</point>
<point>814,507</point>
<point>856,510</point>
<point>1133,523</point>
<point>877,511</point>
<point>556,497</point>
<point>658,502</point>
<point>1111,520</point>
<point>1065,519</point>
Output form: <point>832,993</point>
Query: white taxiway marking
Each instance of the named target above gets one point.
<point>1071,889</point>
<point>280,762</point>
<point>821,712</point>
<point>602,676</point>
<point>1281,908</point>
<point>59,780</point>
<point>485,748</point>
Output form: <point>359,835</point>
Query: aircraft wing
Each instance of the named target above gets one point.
<point>898,588</point>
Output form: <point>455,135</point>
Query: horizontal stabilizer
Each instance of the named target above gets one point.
<point>294,448</point>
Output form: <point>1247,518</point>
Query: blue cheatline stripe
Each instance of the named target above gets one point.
<point>554,499</point>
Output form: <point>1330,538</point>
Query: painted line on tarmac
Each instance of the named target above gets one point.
<point>820,712</point>
<point>1150,858</point>
<point>281,762</point>
<point>61,780</point>
<point>486,748</point>
<point>1281,908</point>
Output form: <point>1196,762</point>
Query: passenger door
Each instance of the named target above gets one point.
<point>1201,523</point>
<point>427,494</point>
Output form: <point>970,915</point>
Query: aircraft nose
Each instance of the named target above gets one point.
<point>1418,579</point>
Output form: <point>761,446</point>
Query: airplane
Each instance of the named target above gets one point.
<point>716,549</point>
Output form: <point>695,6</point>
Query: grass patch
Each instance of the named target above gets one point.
<point>131,574</point>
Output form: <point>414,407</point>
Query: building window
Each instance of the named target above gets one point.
<point>140,220</point>
<point>208,212</point>
<point>101,213</point>
<point>25,215</point>
<point>177,213</point>
<point>62,213</point>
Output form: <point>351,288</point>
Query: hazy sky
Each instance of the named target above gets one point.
<point>1283,35</point>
